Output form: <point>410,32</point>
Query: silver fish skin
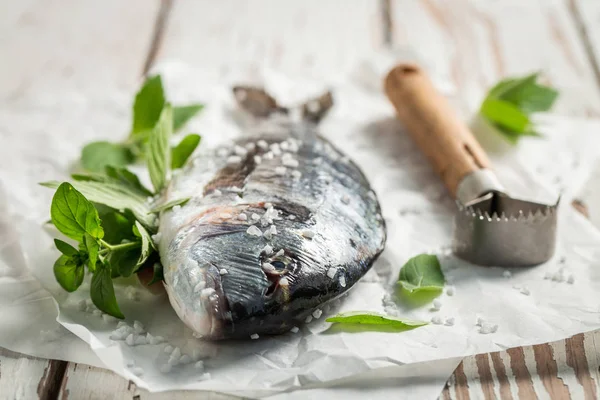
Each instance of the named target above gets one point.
<point>220,276</point>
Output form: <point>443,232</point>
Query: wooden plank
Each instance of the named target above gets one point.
<point>474,43</point>
<point>24,377</point>
<point>70,45</point>
<point>312,37</point>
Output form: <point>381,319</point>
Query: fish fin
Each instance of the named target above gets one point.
<point>257,101</point>
<point>315,109</point>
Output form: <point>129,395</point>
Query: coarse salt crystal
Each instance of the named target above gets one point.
<point>280,253</point>
<point>295,329</point>
<point>345,199</point>
<point>254,336</point>
<point>307,233</point>
<point>284,281</point>
<point>222,152</point>
<point>232,160</point>
<point>250,146</point>
<point>317,313</point>
<point>266,206</point>
<point>290,162</point>
<point>308,319</point>
<point>140,340</point>
<point>342,281</point>
<point>437,320</point>
<point>262,144</point>
<point>253,231</point>
<point>223,271</point>
<point>296,174</point>
<point>284,146</point>
<point>185,359</point>
<point>275,149</point>
<point>437,304</point>
<point>158,339</point>
<point>168,349</point>
<point>268,156</point>
<point>280,170</point>
<point>225,215</point>
<point>268,267</point>
<point>525,291</point>
<point>108,318</point>
<point>449,321</point>
<point>255,216</point>
<point>291,217</point>
<point>199,365</point>
<point>156,238</point>
<point>217,192</point>
<point>506,274</point>
<point>479,321</point>
<point>488,328</point>
<point>450,291</point>
<point>273,230</point>
<point>240,151</point>
<point>130,340</point>
<point>267,249</point>
<point>138,327</point>
<point>175,356</point>
<point>138,371</point>
<point>257,159</point>
<point>242,217</point>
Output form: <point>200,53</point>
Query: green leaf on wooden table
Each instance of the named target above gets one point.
<point>148,105</point>
<point>510,103</point>
<point>183,114</point>
<point>159,157</point>
<point>73,214</point>
<point>170,204</point>
<point>185,148</point>
<point>371,318</point>
<point>147,245</point>
<point>422,273</point>
<point>116,195</point>
<point>65,248</point>
<point>102,291</point>
<point>69,272</point>
<point>93,247</point>
<point>96,156</point>
<point>127,178</point>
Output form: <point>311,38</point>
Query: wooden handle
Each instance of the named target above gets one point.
<point>434,126</point>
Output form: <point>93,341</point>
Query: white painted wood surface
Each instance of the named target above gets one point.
<point>88,45</point>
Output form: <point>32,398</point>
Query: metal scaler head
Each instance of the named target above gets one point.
<point>491,227</point>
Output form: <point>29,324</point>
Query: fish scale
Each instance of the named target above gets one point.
<point>331,199</point>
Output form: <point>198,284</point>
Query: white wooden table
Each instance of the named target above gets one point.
<point>91,46</point>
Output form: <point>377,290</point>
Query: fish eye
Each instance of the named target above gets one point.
<point>279,265</point>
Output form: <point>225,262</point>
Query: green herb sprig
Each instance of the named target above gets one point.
<point>149,103</point>
<point>108,212</point>
<point>510,103</point>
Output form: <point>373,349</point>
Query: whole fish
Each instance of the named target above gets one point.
<point>277,225</point>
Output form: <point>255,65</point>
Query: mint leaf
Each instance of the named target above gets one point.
<point>185,148</point>
<point>127,178</point>
<point>183,114</point>
<point>65,248</point>
<point>97,155</point>
<point>93,247</point>
<point>511,101</point>
<point>69,272</point>
<point>117,227</point>
<point>170,204</point>
<point>117,196</point>
<point>148,105</point>
<point>102,291</point>
<point>370,318</point>
<point>422,273</point>
<point>73,214</point>
<point>147,244</point>
<point>159,157</point>
<point>125,261</point>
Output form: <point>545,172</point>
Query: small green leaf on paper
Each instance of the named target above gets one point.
<point>370,318</point>
<point>102,291</point>
<point>69,272</point>
<point>422,273</point>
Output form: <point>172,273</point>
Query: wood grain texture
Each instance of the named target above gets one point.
<point>473,43</point>
<point>24,377</point>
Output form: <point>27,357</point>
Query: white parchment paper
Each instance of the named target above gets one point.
<point>418,213</point>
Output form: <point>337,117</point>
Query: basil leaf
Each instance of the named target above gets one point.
<point>92,246</point>
<point>157,274</point>
<point>183,114</point>
<point>125,261</point>
<point>147,244</point>
<point>505,115</point>
<point>69,272</point>
<point>73,214</point>
<point>65,248</point>
<point>117,227</point>
<point>117,196</point>
<point>102,291</point>
<point>97,155</point>
<point>148,105</point>
<point>185,148</point>
<point>127,178</point>
<point>422,273</point>
<point>170,204</point>
<point>159,157</point>
<point>370,318</point>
